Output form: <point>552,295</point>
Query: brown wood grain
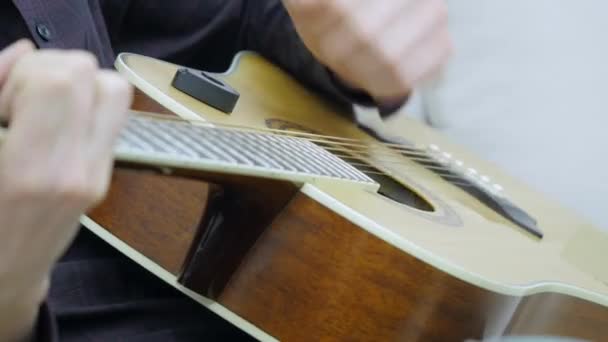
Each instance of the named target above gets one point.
<point>246,208</point>
<point>315,276</point>
<point>156,214</point>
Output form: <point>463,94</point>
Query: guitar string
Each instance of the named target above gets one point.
<point>361,145</point>
<point>324,138</point>
<point>454,178</point>
<point>362,149</point>
<point>347,153</point>
<point>369,168</point>
<point>450,176</point>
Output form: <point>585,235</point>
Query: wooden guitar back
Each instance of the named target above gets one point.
<point>280,264</point>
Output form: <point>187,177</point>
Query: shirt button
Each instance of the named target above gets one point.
<point>44,32</point>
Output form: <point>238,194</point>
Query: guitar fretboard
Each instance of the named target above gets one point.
<point>254,153</point>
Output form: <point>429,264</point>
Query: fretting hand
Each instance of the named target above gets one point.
<point>55,163</point>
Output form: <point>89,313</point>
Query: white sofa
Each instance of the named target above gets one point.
<point>527,88</point>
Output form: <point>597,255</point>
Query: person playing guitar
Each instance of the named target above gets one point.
<point>65,110</point>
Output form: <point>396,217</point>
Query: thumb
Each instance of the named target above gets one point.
<point>10,55</point>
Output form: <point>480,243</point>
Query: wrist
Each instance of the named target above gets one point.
<point>15,287</point>
<point>19,307</point>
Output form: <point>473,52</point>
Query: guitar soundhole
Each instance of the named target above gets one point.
<point>389,187</point>
<point>397,192</point>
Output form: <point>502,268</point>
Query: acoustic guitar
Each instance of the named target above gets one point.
<point>274,208</point>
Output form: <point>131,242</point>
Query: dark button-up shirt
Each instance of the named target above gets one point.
<point>96,293</point>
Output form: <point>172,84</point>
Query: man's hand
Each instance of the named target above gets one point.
<point>55,163</point>
<point>384,47</point>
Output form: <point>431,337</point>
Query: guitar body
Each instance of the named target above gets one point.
<point>299,261</point>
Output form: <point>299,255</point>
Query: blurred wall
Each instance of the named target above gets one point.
<point>527,89</point>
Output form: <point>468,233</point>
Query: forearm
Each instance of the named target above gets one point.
<point>19,307</point>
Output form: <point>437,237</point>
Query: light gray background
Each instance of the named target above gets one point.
<point>527,89</point>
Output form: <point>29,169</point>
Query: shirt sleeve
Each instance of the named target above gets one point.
<point>268,30</point>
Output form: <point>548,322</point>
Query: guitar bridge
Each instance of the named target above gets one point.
<point>480,187</point>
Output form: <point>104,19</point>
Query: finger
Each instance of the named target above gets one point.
<point>51,110</point>
<point>315,18</point>
<point>428,20</point>
<point>113,98</point>
<point>57,84</point>
<point>420,37</point>
<point>81,69</point>
<point>429,46</point>
<point>427,60</point>
<point>10,55</point>
<point>360,51</point>
<point>8,60</point>
<point>406,51</point>
<point>362,30</point>
<point>368,74</point>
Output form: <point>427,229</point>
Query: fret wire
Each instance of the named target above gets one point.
<point>238,147</point>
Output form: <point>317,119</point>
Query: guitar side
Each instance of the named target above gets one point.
<point>344,263</point>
